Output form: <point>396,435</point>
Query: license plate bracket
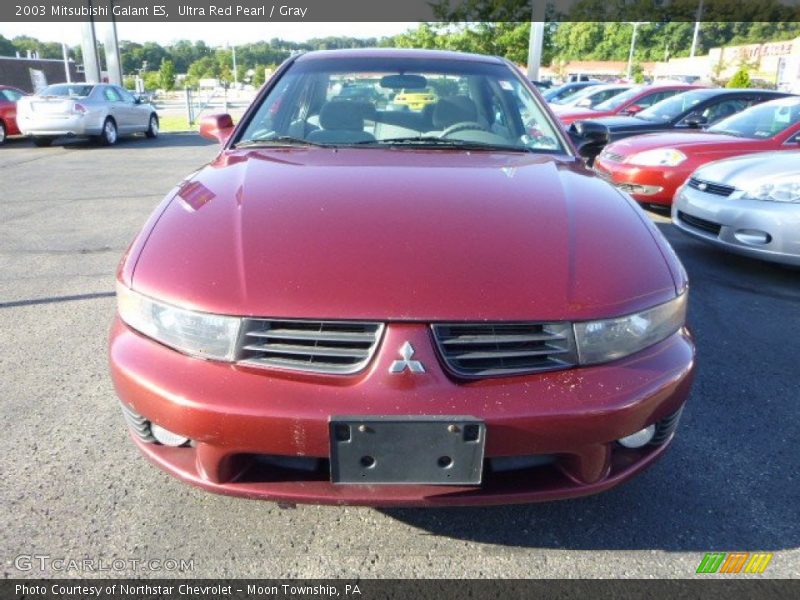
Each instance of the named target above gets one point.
<point>439,450</point>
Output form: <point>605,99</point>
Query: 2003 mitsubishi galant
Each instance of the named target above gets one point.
<point>355,304</point>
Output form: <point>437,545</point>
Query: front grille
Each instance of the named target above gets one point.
<point>666,427</point>
<point>711,188</point>
<point>490,349</point>
<point>137,423</point>
<point>337,347</point>
<point>698,223</point>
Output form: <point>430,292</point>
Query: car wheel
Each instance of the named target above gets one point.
<point>152,130</point>
<point>109,135</point>
<point>2,133</point>
<point>43,141</point>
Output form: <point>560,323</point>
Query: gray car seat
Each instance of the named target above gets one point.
<point>342,122</point>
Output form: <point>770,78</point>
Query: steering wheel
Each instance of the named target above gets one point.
<point>463,126</point>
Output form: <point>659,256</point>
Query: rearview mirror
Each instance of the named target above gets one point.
<point>404,82</point>
<point>695,121</point>
<point>217,127</point>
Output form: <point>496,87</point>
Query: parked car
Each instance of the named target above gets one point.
<point>542,84</point>
<point>342,310</point>
<point>628,102</point>
<point>651,167</point>
<point>749,205</point>
<point>690,110</point>
<point>590,96</point>
<point>8,111</point>
<point>415,99</point>
<point>101,111</point>
<point>564,91</point>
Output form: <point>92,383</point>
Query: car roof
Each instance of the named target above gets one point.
<point>397,53</point>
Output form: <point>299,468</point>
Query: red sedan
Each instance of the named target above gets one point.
<point>627,103</point>
<point>8,111</point>
<point>353,305</point>
<point>652,167</point>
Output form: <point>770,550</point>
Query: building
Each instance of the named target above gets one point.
<point>32,74</point>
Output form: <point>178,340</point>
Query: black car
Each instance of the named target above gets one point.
<point>568,89</point>
<point>690,110</point>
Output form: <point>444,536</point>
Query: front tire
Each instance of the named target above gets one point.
<point>43,141</point>
<point>152,129</point>
<point>109,135</point>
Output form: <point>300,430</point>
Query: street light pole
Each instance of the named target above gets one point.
<point>633,46</point>
<point>696,29</point>
<point>66,61</point>
<point>536,38</point>
<point>235,75</point>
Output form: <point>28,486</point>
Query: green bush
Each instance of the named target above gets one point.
<point>740,79</point>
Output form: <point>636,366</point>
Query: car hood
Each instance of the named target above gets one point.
<point>695,142</point>
<point>402,234</point>
<point>749,170</point>
<point>624,123</point>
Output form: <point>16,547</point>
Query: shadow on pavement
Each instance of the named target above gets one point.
<point>731,480</point>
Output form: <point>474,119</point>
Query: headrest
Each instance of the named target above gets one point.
<point>452,110</point>
<point>342,115</point>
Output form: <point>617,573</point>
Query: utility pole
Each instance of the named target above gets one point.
<point>66,61</point>
<point>538,11</point>
<point>235,75</point>
<point>633,46</point>
<point>696,29</point>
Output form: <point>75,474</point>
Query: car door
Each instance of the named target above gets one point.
<point>116,108</point>
<point>139,114</point>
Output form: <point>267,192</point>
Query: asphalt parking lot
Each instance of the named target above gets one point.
<point>73,485</point>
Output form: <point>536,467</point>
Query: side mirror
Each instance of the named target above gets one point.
<point>695,121</point>
<point>589,138</point>
<point>633,109</point>
<point>217,127</point>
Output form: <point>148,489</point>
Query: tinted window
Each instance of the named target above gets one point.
<point>69,90</point>
<point>673,107</point>
<point>125,95</point>
<point>10,95</point>
<point>763,120</point>
<point>111,95</point>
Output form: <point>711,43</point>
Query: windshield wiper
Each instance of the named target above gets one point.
<point>437,141</point>
<point>281,140</point>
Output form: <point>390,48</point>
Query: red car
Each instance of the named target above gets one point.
<point>627,103</point>
<point>652,167</point>
<point>8,111</point>
<point>352,305</point>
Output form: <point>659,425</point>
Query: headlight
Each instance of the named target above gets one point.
<point>782,189</point>
<point>199,334</point>
<point>661,157</point>
<point>610,339</point>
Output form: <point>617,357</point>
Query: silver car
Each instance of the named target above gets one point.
<point>749,205</point>
<point>98,110</point>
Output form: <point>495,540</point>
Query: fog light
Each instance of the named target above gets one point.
<point>635,440</point>
<point>166,437</point>
<point>753,236</point>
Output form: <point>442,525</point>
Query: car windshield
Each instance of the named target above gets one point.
<point>761,121</point>
<point>615,102</point>
<point>411,102</point>
<point>66,90</point>
<point>673,107</point>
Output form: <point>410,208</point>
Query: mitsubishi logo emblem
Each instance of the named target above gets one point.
<point>407,362</point>
<point>702,187</point>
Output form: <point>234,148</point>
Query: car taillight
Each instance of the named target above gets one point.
<point>79,109</point>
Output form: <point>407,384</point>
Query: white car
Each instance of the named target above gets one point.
<point>97,110</point>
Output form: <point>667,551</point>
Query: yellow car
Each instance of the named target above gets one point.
<point>415,99</point>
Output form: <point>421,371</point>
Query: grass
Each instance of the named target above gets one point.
<point>172,123</point>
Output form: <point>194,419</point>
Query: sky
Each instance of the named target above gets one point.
<point>211,33</point>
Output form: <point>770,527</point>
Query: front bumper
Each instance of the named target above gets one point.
<point>239,416</point>
<point>60,125</point>
<point>649,185</point>
<point>754,228</point>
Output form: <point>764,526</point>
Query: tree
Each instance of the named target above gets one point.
<point>166,75</point>
<point>740,79</point>
<point>6,47</point>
